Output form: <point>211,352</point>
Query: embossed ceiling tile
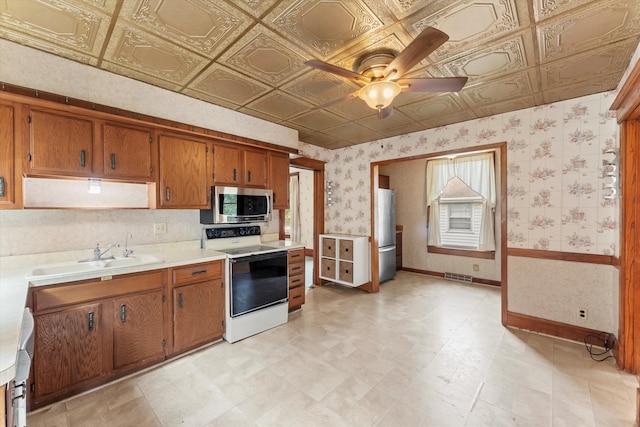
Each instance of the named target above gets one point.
<point>57,24</point>
<point>255,8</point>
<point>589,28</point>
<point>47,47</point>
<point>494,60</point>
<point>325,26</point>
<point>410,97</point>
<point>212,99</point>
<point>512,86</point>
<point>319,87</point>
<point>394,121</point>
<point>266,56</point>
<point>432,107</point>
<point>147,54</point>
<point>601,84</point>
<point>222,83</point>
<point>503,107</point>
<point>353,133</point>
<point>544,9</point>
<point>472,22</point>
<point>461,116</point>
<point>280,105</point>
<point>393,39</point>
<point>402,130</point>
<point>403,8</point>
<point>133,74</point>
<point>589,65</point>
<point>323,140</point>
<point>107,6</point>
<point>317,120</point>
<point>351,109</point>
<point>202,26</point>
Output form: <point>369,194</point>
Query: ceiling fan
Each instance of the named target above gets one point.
<point>380,74</point>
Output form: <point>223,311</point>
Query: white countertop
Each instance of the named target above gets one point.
<point>14,286</point>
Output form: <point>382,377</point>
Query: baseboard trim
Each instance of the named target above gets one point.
<point>551,327</point>
<point>438,274</point>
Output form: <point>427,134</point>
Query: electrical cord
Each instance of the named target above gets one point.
<point>606,343</point>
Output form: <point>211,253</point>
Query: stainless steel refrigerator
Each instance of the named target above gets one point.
<point>387,234</point>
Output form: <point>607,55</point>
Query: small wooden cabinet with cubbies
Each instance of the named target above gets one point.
<point>296,278</point>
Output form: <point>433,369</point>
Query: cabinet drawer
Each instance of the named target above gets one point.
<point>296,255</point>
<point>296,297</point>
<point>346,272</point>
<point>296,281</point>
<point>58,296</point>
<point>196,273</point>
<point>296,268</point>
<point>328,247</point>
<point>328,268</point>
<point>346,249</point>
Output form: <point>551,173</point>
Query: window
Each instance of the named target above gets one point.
<point>461,201</point>
<point>459,216</point>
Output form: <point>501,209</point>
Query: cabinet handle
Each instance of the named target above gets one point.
<point>297,296</point>
<point>113,161</point>
<point>295,281</point>
<point>234,174</point>
<point>2,186</point>
<point>248,176</point>
<point>197,273</point>
<point>168,194</point>
<point>123,313</point>
<point>295,256</point>
<point>274,198</point>
<point>180,301</point>
<point>296,268</point>
<point>83,158</point>
<point>90,316</point>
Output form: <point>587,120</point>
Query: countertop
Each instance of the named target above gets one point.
<point>14,286</point>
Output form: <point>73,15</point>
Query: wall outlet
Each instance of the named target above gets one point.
<point>159,228</point>
<point>582,313</point>
<point>476,267</point>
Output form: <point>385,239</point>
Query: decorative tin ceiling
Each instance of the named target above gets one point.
<point>248,55</point>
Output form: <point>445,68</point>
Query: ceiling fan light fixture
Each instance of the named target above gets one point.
<point>379,95</point>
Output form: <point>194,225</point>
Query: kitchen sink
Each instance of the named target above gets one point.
<point>73,267</point>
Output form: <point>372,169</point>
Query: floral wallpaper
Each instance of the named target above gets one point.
<point>554,173</point>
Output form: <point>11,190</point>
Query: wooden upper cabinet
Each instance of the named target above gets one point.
<point>279,179</point>
<point>227,160</point>
<point>255,168</point>
<point>183,172</point>
<point>128,152</point>
<point>8,175</point>
<point>239,166</point>
<point>60,143</point>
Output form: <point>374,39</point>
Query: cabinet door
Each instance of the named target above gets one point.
<point>198,313</point>
<point>7,156</point>
<point>127,151</point>
<point>226,165</point>
<point>183,172</point>
<point>138,337</point>
<point>279,179</point>
<point>255,168</point>
<point>68,348</point>
<point>60,144</point>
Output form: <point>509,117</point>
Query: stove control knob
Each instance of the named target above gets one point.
<point>243,231</point>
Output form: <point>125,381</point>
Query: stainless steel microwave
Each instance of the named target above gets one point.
<point>237,205</point>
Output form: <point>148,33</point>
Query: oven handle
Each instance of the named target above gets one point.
<point>258,257</point>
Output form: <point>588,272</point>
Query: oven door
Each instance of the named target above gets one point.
<point>257,281</point>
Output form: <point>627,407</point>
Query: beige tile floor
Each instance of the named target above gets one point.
<point>422,352</point>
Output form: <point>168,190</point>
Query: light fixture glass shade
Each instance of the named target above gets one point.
<point>95,186</point>
<point>379,95</point>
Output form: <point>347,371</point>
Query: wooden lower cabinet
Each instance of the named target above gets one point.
<point>296,264</point>
<point>198,305</point>
<point>69,350</point>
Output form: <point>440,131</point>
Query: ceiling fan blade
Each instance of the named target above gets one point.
<point>336,101</point>
<point>427,41</point>
<point>338,71</point>
<point>436,84</point>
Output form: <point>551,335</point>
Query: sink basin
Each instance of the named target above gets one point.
<point>72,268</point>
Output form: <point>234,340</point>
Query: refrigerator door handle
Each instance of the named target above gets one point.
<point>386,248</point>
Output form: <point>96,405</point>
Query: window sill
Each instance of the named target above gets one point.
<point>461,252</point>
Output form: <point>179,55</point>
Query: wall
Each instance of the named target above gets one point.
<point>554,198</point>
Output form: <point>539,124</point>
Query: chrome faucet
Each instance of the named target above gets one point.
<point>97,253</point>
<point>126,252</point>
